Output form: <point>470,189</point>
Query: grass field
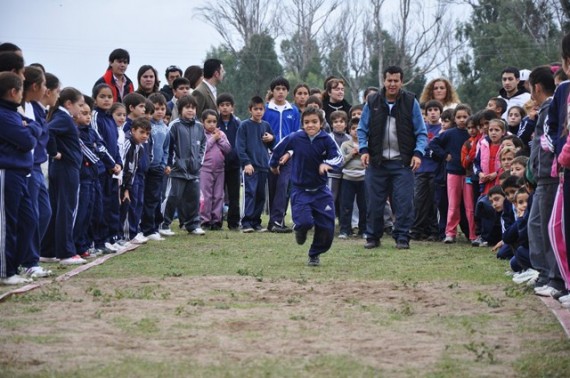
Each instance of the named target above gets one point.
<point>246,305</point>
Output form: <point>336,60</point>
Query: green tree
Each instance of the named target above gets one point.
<point>249,71</point>
<point>503,33</point>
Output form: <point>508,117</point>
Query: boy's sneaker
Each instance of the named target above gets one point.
<point>198,231</point>
<point>371,243</point>
<point>121,243</point>
<point>112,247</point>
<point>477,242</point>
<point>484,243</point>
<point>449,240</point>
<point>37,272</point>
<point>525,276</point>
<point>402,244</point>
<point>247,230</point>
<point>314,261</point>
<point>86,255</point>
<point>49,259</point>
<point>156,237</point>
<point>166,232</point>
<point>301,237</point>
<point>95,252</point>
<point>279,229</point>
<point>260,229</point>
<point>139,239</point>
<point>74,260</point>
<point>564,298</point>
<point>343,236</point>
<point>15,280</point>
<point>545,291</point>
<point>107,251</point>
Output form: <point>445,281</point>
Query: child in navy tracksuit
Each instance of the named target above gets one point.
<point>229,124</point>
<point>93,150</point>
<point>314,154</point>
<point>65,150</point>
<point>16,144</point>
<point>106,225</point>
<point>254,137</point>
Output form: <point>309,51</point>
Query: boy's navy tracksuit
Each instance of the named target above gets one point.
<point>231,171</point>
<point>311,200</point>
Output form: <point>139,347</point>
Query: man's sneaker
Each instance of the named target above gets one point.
<point>139,239</point>
<point>260,229</point>
<point>247,230</point>
<point>74,260</point>
<point>301,236</point>
<point>371,243</point>
<point>343,236</point>
<point>49,259</point>
<point>525,276</point>
<point>112,247</point>
<point>449,240</point>
<point>166,232</point>
<point>279,229</point>
<point>156,236</point>
<point>545,291</point>
<point>197,231</point>
<point>37,272</point>
<point>314,261</point>
<point>402,244</point>
<point>15,280</point>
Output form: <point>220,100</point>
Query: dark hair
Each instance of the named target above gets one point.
<point>510,182</point>
<point>505,175</point>
<point>255,100</point>
<point>516,140</point>
<point>10,61</point>
<point>66,94</point>
<point>148,107</point>
<point>315,91</point>
<point>116,106</point>
<point>133,99</point>
<point>141,72</point>
<point>180,81</point>
<point>157,98</point>
<point>211,66</point>
<point>331,84</point>
<point>98,88</point>
<point>225,97</point>
<point>299,86</point>
<point>355,108</point>
<point>460,107</point>
<point>370,89</point>
<point>89,101</point>
<point>521,110</point>
<point>39,66</point>
<point>315,100</point>
<point>496,190</point>
<point>434,104</point>
<point>170,69</point>
<point>515,71</point>
<point>339,114</point>
<point>521,190</point>
<point>543,76</point>
<point>193,74</point>
<point>209,112</point>
<point>168,112</point>
<point>141,123</point>
<point>560,74</point>
<point>327,79</point>
<point>500,102</point>
<point>354,121</point>
<point>33,76</point>
<point>471,120</point>
<point>522,160</point>
<point>393,70</point>
<point>9,81</point>
<point>9,46</point>
<point>313,111</point>
<point>185,101</point>
<point>119,54</point>
<point>52,81</point>
<point>280,80</point>
<point>486,115</point>
<point>447,114</point>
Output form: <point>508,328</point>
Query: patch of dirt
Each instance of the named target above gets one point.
<point>209,320</point>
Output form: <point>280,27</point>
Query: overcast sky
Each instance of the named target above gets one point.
<point>73,38</point>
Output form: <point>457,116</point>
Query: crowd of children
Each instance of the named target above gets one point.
<point>125,165</point>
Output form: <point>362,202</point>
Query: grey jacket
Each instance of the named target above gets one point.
<point>187,147</point>
<point>540,160</point>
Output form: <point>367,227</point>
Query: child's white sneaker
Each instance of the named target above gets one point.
<point>156,236</point>
<point>15,280</point>
<point>139,239</point>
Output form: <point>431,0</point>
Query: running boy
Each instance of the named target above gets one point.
<point>254,137</point>
<point>314,154</point>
